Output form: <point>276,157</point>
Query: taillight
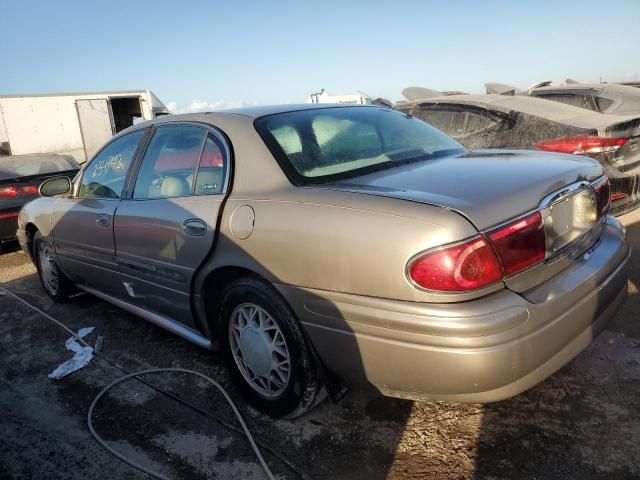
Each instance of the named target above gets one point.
<point>467,266</point>
<point>8,192</point>
<point>12,191</point>
<point>481,262</point>
<point>520,244</point>
<point>603,196</point>
<point>618,196</point>
<point>581,144</point>
<point>29,190</point>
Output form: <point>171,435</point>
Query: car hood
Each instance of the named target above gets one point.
<point>486,186</point>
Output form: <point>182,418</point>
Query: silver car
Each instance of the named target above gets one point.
<point>317,245</point>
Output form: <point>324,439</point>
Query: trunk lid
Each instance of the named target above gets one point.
<point>488,187</point>
<point>492,187</point>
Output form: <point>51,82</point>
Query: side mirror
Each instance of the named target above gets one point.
<point>55,186</point>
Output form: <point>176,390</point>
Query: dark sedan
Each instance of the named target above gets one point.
<point>523,122</point>
<point>20,178</point>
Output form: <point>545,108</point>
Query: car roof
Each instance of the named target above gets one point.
<point>265,110</point>
<point>220,117</point>
<point>249,112</point>
<point>548,109</point>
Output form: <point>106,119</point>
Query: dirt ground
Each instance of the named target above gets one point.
<point>583,422</point>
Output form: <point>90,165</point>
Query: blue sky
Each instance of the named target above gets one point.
<point>226,53</point>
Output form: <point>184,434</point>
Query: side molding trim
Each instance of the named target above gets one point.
<point>159,320</point>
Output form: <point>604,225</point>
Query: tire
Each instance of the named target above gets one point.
<point>267,350</point>
<point>57,285</point>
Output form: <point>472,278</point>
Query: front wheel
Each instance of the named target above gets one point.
<point>267,350</point>
<point>55,282</point>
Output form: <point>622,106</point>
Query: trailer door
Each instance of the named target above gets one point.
<point>96,124</point>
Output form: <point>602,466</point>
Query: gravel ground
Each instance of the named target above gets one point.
<point>583,422</point>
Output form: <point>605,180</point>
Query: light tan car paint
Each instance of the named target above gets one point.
<point>339,259</point>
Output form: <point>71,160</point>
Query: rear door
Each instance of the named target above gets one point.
<point>83,223</point>
<point>96,123</point>
<point>167,226</point>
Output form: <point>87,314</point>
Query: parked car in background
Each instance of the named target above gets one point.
<point>524,122</point>
<point>598,97</point>
<point>20,178</point>
<point>355,240</point>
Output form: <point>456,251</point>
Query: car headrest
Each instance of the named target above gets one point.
<point>174,187</point>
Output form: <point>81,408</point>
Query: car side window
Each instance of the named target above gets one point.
<point>104,177</point>
<point>170,162</point>
<point>580,101</point>
<point>440,119</point>
<point>212,169</point>
<point>456,123</point>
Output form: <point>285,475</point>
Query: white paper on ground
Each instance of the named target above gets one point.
<point>81,355</point>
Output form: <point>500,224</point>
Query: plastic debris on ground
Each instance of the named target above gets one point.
<point>81,355</point>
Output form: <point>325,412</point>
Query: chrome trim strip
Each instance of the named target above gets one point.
<point>567,191</point>
<point>159,320</point>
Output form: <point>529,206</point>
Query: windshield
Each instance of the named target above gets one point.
<point>27,166</point>
<point>314,146</point>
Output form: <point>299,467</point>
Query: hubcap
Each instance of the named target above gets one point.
<point>48,269</point>
<point>259,349</point>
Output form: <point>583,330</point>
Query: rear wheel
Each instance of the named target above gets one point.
<point>55,282</point>
<point>267,350</point>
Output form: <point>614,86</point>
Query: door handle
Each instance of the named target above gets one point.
<point>103,220</point>
<point>194,227</point>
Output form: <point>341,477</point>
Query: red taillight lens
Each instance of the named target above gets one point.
<point>520,244</point>
<point>618,196</point>
<point>13,191</point>
<point>8,192</point>
<point>29,190</point>
<point>468,266</point>
<point>603,195</point>
<point>581,144</point>
<point>475,264</point>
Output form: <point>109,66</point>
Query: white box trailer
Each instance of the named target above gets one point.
<point>76,124</point>
<point>358,98</point>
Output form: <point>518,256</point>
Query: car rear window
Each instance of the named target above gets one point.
<point>15,167</point>
<point>320,145</point>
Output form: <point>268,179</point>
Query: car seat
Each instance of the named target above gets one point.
<point>174,187</point>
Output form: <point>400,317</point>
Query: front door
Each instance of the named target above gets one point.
<point>168,226</point>
<point>83,223</point>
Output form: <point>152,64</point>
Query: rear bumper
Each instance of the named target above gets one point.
<point>478,351</point>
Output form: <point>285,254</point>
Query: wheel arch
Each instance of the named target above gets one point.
<point>211,291</point>
<point>30,231</point>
